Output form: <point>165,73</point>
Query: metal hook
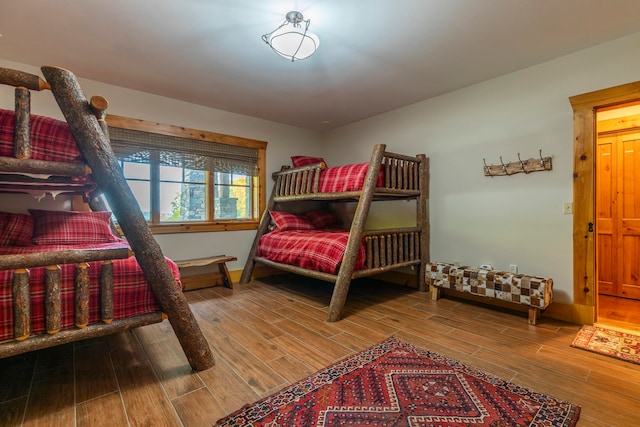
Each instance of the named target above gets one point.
<point>522,165</point>
<point>487,169</point>
<point>504,167</point>
<point>542,161</point>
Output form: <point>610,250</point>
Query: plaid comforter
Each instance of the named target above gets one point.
<point>51,139</point>
<point>338,179</point>
<point>318,250</point>
<point>132,294</point>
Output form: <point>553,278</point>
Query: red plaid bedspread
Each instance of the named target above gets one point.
<point>132,295</point>
<point>338,179</point>
<point>318,250</point>
<point>51,139</point>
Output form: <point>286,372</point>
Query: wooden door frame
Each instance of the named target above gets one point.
<point>584,150</point>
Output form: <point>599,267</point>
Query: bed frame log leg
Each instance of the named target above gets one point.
<point>247,271</point>
<point>96,149</point>
<point>423,222</point>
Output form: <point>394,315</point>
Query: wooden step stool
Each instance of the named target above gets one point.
<point>194,273</point>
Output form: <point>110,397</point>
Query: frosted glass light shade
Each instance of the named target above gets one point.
<point>293,44</point>
<point>292,40</point>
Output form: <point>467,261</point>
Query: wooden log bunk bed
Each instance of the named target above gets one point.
<point>353,252</point>
<point>77,279</point>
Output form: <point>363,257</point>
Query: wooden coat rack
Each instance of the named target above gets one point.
<point>520,166</point>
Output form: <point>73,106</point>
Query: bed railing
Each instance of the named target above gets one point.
<point>300,181</point>
<point>401,176</point>
<point>20,265</point>
<point>54,334</point>
<point>392,248</point>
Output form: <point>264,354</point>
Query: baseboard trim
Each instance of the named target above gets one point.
<point>259,272</point>
<point>572,313</point>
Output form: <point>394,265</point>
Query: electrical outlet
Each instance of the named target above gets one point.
<point>513,268</point>
<point>567,208</point>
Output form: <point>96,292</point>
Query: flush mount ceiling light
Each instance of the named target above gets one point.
<point>293,40</point>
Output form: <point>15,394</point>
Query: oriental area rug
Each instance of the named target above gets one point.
<point>395,383</point>
<point>610,342</point>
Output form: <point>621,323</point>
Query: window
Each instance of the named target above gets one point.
<point>190,180</point>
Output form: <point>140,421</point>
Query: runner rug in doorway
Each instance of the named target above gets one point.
<point>610,342</point>
<point>395,383</point>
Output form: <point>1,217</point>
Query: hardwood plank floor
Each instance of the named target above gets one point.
<point>270,333</point>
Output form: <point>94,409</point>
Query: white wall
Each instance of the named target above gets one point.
<point>507,219</point>
<point>283,141</point>
<point>475,219</point>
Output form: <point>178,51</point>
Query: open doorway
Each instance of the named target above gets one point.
<point>585,106</point>
<point>617,212</point>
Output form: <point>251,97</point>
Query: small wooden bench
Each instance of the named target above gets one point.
<point>191,282</point>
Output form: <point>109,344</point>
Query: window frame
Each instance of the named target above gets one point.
<point>259,181</point>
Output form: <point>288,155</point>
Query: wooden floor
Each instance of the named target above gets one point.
<point>268,334</point>
<point>617,310</point>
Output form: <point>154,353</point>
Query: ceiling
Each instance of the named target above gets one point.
<point>374,55</point>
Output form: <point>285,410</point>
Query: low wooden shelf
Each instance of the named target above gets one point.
<point>196,275</point>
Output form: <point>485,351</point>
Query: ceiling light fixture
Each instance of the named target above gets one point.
<point>292,40</point>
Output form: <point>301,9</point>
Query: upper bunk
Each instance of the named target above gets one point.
<point>38,154</point>
<point>393,176</point>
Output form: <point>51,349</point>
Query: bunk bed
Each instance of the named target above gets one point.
<point>64,275</point>
<point>311,243</point>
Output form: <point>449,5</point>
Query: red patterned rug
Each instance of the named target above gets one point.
<point>396,383</point>
<point>621,345</point>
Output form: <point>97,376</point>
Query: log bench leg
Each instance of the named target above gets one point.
<point>534,312</point>
<point>226,277</point>
<point>217,260</point>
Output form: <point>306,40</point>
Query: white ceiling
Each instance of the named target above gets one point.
<point>374,55</point>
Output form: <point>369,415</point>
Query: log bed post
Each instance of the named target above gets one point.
<point>343,281</point>
<point>22,133</point>
<point>96,149</point>
<point>423,221</point>
<point>250,264</point>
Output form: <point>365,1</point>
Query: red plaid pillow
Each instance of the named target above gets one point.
<point>15,229</point>
<point>323,218</point>
<point>305,160</point>
<point>70,228</point>
<point>287,221</point>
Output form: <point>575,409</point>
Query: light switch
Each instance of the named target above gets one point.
<point>567,208</point>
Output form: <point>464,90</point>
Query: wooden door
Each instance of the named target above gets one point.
<point>618,215</point>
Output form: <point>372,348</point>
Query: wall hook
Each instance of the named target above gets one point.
<point>487,169</point>
<point>511,168</point>
<point>542,161</point>
<point>522,165</point>
<point>504,167</point>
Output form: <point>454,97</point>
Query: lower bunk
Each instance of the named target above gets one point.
<point>320,254</point>
<point>55,289</point>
